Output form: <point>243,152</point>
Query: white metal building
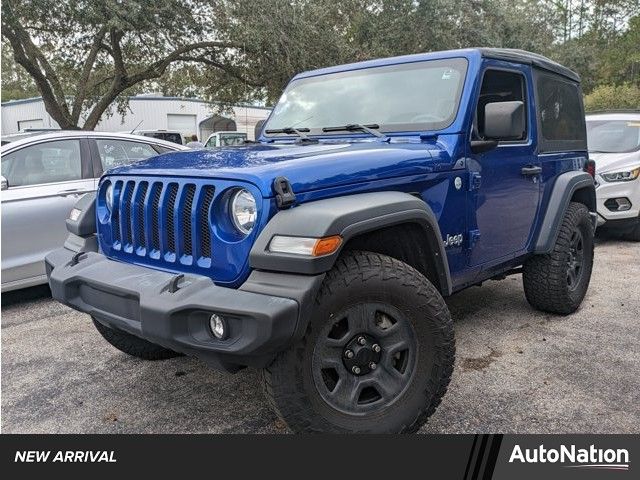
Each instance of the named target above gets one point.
<point>186,115</point>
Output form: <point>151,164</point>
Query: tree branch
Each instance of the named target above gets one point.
<point>225,68</point>
<point>81,92</point>
<point>155,70</point>
<point>31,65</point>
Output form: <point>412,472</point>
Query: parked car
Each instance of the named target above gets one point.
<point>614,144</point>
<point>167,135</point>
<point>322,255</point>
<point>225,139</point>
<point>43,175</point>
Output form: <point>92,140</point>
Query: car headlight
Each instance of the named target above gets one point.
<point>621,176</point>
<point>243,211</point>
<point>108,197</point>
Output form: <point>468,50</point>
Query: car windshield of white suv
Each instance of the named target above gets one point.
<point>232,140</point>
<point>406,97</point>
<point>613,136</point>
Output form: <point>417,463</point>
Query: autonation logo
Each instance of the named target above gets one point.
<point>573,457</point>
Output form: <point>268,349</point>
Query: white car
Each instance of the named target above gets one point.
<point>614,144</point>
<point>43,175</point>
<point>169,135</point>
<point>225,139</point>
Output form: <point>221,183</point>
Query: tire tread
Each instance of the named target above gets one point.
<point>288,401</point>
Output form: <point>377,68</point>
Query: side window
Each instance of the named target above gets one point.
<point>211,143</point>
<point>560,114</point>
<point>48,162</point>
<point>161,149</point>
<point>499,86</point>
<point>114,153</point>
<point>173,137</point>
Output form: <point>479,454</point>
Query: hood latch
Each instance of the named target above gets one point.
<point>284,193</point>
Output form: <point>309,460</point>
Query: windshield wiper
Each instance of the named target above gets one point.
<point>356,127</point>
<point>294,131</point>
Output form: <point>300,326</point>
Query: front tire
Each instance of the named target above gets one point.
<point>377,355</point>
<point>557,282</point>
<point>132,345</point>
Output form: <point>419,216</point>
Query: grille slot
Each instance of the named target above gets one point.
<point>189,194</point>
<point>172,193</point>
<point>203,220</point>
<point>155,220</point>
<point>115,216</point>
<point>126,212</point>
<point>138,224</point>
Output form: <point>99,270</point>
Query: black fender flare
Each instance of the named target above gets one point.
<point>563,190</point>
<point>347,216</point>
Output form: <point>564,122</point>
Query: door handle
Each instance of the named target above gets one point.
<point>71,191</point>
<point>531,170</point>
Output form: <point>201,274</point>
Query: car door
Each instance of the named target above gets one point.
<point>45,180</point>
<point>506,183</point>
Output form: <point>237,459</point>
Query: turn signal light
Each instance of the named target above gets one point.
<point>313,247</point>
<point>326,246</point>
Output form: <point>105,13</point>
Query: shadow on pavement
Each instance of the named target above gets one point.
<point>24,295</point>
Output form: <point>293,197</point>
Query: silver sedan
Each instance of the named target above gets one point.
<point>43,175</point>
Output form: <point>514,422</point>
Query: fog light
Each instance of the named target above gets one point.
<point>218,326</point>
<point>618,204</point>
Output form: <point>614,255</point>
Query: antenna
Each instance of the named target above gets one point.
<point>136,127</point>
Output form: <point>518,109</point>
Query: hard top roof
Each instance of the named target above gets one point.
<point>529,58</point>
<point>505,54</point>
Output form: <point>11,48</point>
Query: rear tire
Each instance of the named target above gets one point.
<point>557,282</point>
<point>132,345</point>
<point>381,311</point>
<point>634,235</point>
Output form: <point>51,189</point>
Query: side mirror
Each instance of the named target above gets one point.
<point>5,183</point>
<point>258,129</point>
<point>504,120</point>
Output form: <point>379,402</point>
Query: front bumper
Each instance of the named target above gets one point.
<point>610,190</point>
<point>263,316</point>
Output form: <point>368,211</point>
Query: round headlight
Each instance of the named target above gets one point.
<point>108,196</point>
<point>243,211</point>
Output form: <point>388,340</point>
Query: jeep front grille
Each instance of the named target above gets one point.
<point>162,220</point>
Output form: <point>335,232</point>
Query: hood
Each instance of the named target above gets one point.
<point>615,162</point>
<point>308,167</point>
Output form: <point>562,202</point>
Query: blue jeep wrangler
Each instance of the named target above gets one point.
<point>322,253</point>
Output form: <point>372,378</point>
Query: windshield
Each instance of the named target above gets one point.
<point>412,96</point>
<point>613,136</point>
<point>231,140</point>
<point>226,140</point>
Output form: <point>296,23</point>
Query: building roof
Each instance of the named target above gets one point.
<point>139,98</point>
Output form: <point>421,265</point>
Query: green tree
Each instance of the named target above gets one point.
<point>608,97</point>
<point>83,54</point>
<point>16,82</point>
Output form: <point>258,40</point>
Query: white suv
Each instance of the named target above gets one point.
<point>614,144</point>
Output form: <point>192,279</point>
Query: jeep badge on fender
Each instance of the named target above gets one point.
<point>317,255</point>
<point>453,241</point>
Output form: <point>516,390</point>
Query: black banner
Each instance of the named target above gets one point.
<point>466,457</point>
